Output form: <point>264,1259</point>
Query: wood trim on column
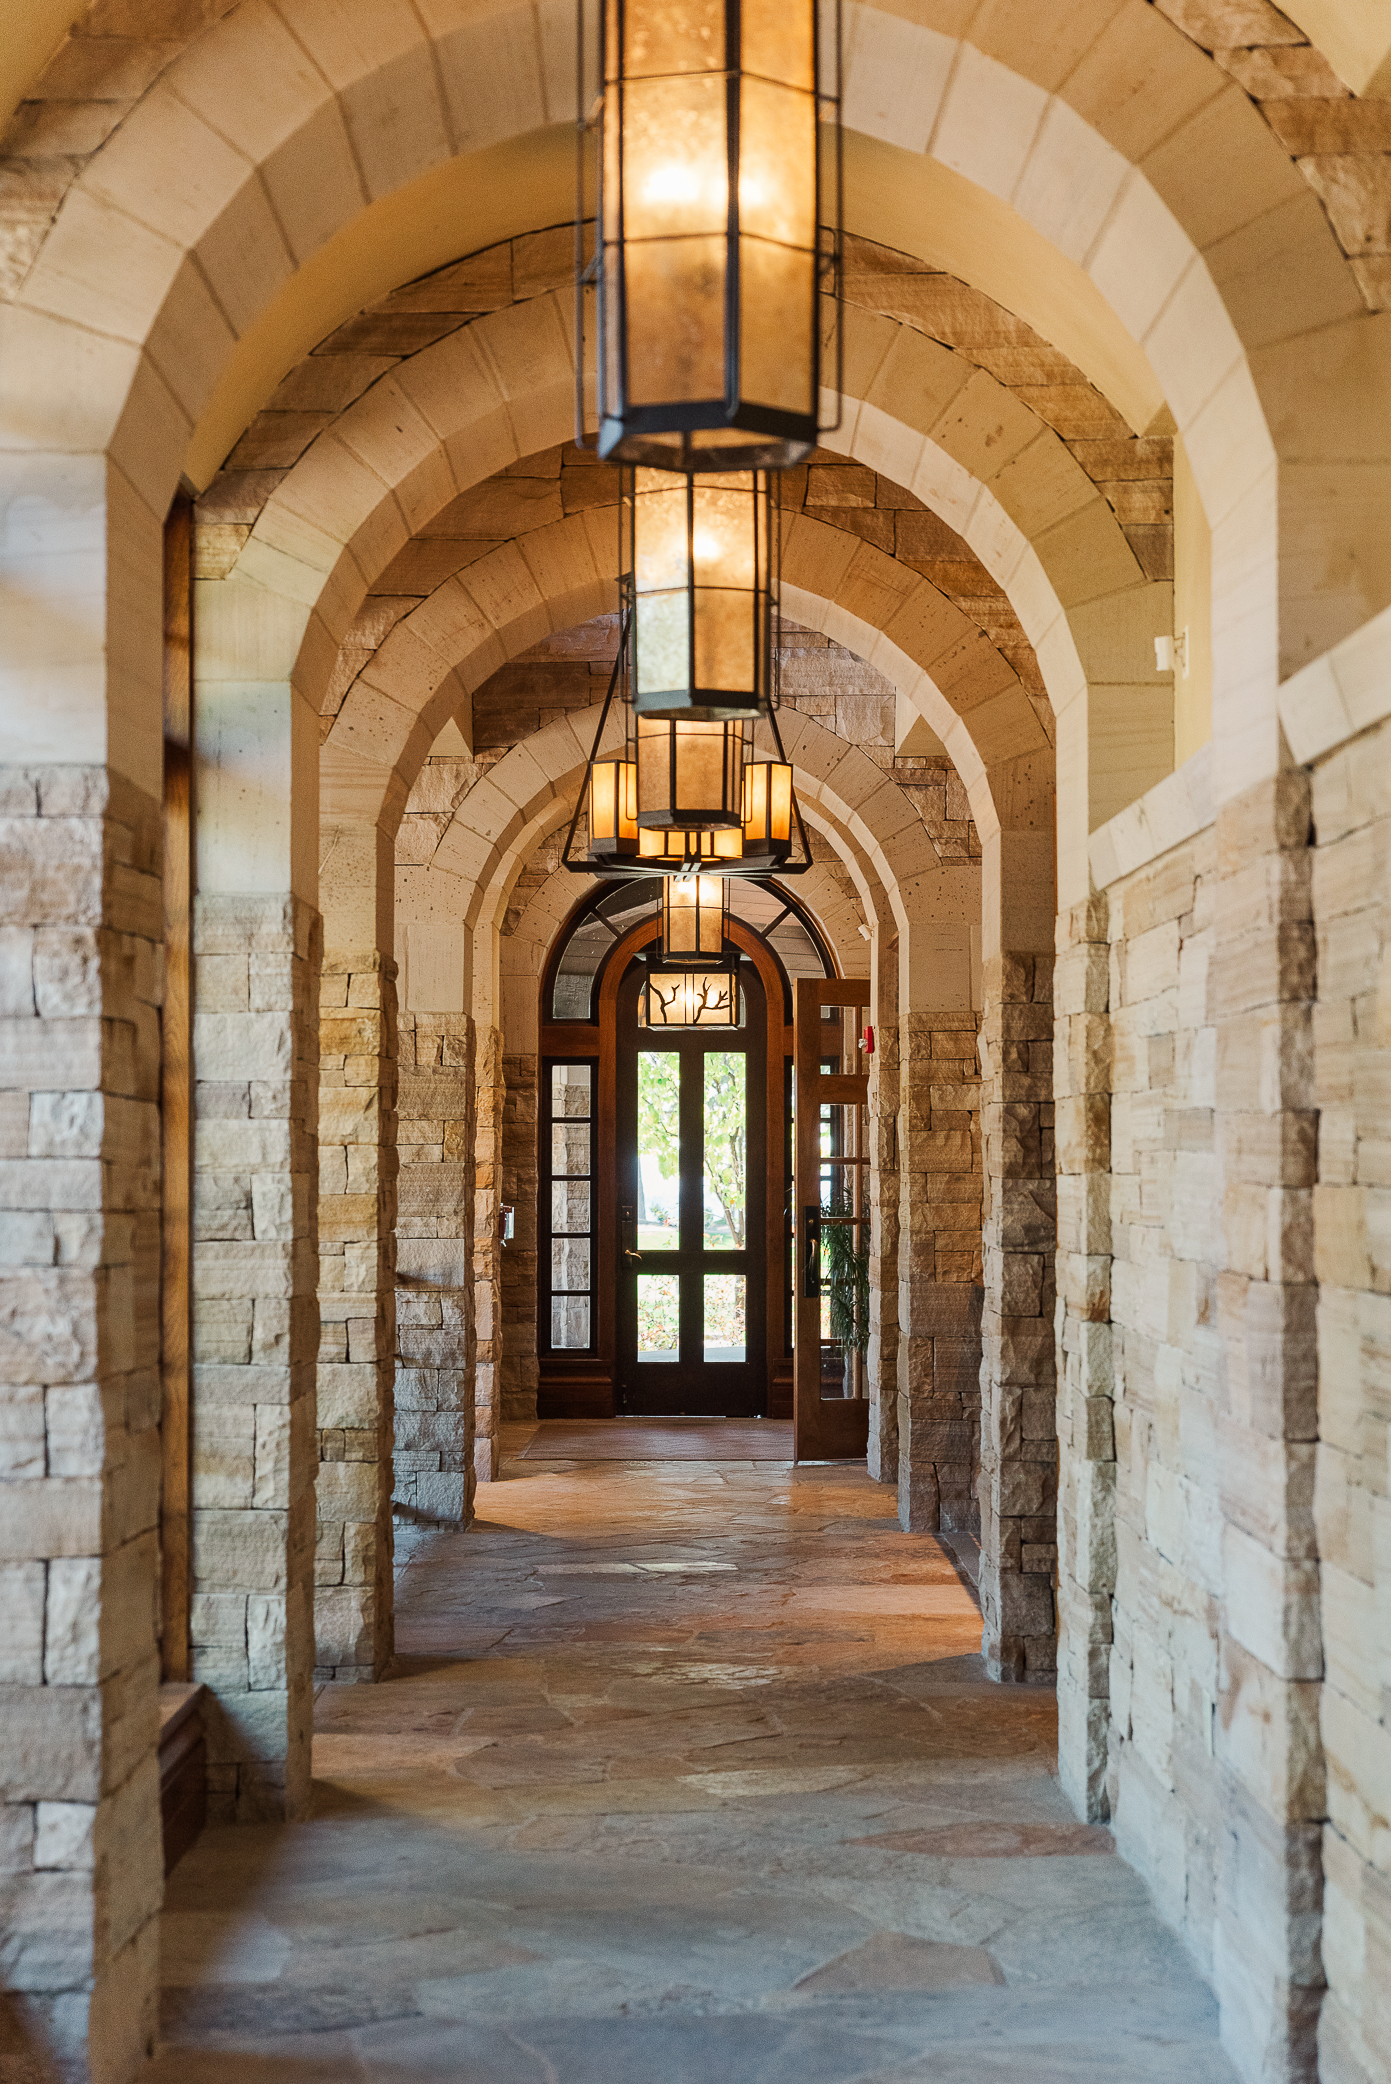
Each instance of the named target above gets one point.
<point>829,1430</point>
<point>176,1095</point>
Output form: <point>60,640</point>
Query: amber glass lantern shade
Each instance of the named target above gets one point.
<point>695,914</point>
<point>690,775</point>
<point>700,557</point>
<point>767,810</point>
<point>713,182</point>
<point>687,848</point>
<point>673,998</point>
<point>613,808</point>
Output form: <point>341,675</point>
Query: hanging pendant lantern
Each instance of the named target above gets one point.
<point>718,227</point>
<point>695,919</point>
<point>768,801</point>
<point>690,775</point>
<point>672,998</point>
<point>613,809</point>
<point>683,796</point>
<point>700,557</point>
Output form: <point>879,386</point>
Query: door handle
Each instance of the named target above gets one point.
<point>628,1220</point>
<point>811,1250</point>
<point>630,1257</point>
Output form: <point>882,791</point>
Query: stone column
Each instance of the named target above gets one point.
<point>882,1357</point>
<point>1083,1352</point>
<point>939,1272</point>
<point>80,985</point>
<point>357,1311</point>
<point>258,946</point>
<point>490,1102</point>
<point>1267,1966</point>
<point>435,1261</point>
<point>256,1323</point>
<point>1018,1477</point>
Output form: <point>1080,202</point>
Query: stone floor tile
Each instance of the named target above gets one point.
<point>612,1822</point>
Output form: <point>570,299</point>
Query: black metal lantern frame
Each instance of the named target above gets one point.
<point>711,133</point>
<point>695,921</point>
<point>747,845</point>
<point>701,561</point>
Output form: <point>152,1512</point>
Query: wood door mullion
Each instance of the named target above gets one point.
<point>692,1146</point>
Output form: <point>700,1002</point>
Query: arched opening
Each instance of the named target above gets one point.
<point>664,1270</point>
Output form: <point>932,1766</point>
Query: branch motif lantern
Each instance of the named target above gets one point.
<point>673,998</point>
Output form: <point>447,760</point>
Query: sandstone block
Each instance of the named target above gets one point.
<point>22,1590</point>
<point>233,1046</point>
<point>52,1748</point>
<point>250,1726</point>
<point>51,1516</point>
<point>226,1272</point>
<point>239,1551</point>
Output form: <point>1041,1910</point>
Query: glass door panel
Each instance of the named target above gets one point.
<point>659,1318</point>
<point>659,1151</point>
<point>724,1332</point>
<point>725,1177</point>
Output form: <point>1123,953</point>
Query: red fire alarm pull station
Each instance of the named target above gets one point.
<point>868,1044</point>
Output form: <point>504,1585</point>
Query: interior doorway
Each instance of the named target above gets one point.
<point>664,1233</point>
<point>692,1175</point>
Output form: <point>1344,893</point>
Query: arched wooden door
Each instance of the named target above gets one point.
<point>595,1321</point>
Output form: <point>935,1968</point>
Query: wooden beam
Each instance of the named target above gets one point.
<point>176,1095</point>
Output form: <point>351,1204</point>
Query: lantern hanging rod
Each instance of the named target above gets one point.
<point>598,736</point>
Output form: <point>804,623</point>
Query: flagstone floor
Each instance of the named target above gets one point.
<point>686,1774</point>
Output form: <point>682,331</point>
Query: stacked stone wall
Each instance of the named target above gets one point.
<point>357,1309</point>
<point>436,1351</point>
<point>1352,1509</point>
<point>1019,1447</point>
<point>490,1101</point>
<point>1163,1223</point>
<point>1267,1965</point>
<point>884,1248</point>
<point>1215,1779</point>
<point>81,983</point>
<point>256,1336</point>
<point>1084,1351</point>
<point>939,1272</point>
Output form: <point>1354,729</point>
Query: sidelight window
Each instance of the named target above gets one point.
<point>567,1203</point>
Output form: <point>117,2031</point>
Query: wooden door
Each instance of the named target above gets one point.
<point>830,1190</point>
<point>692,1192</point>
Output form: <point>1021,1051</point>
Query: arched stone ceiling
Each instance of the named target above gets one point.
<point>568,674</point>
<point>1134,472</point>
<point>1339,141</point>
<point>983,664</point>
<point>1012,392</point>
<point>70,75</point>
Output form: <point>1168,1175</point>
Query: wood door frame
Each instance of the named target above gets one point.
<point>176,1102</point>
<point>583,1386</point>
<point>829,1429</point>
